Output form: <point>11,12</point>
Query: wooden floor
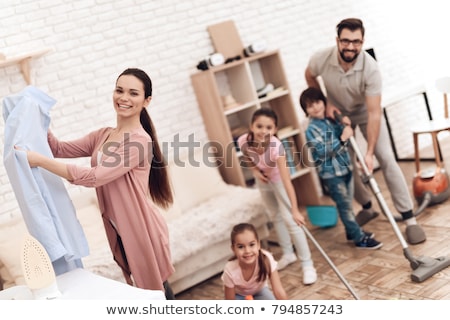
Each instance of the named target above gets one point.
<point>371,274</point>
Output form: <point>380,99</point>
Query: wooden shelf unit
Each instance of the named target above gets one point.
<point>241,79</point>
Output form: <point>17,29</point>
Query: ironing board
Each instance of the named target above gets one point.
<point>80,284</point>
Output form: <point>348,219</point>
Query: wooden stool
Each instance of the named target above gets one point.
<point>433,127</point>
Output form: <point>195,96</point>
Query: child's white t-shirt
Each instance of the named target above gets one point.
<point>266,162</point>
<point>232,276</point>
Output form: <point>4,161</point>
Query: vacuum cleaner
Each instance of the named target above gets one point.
<point>430,186</point>
<point>423,267</point>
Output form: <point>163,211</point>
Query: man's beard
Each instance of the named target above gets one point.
<point>347,59</point>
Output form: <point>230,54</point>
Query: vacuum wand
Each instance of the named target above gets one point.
<point>423,267</point>
<point>376,190</point>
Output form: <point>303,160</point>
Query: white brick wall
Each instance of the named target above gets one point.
<point>94,40</point>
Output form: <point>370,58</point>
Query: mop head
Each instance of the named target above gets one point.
<point>429,266</point>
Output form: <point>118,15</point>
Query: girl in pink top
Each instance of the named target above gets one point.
<point>248,271</point>
<point>266,157</point>
<point>130,177</point>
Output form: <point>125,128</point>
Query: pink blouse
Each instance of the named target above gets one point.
<point>266,162</point>
<point>232,276</point>
<point>129,215</point>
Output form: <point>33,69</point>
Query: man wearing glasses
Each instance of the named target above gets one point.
<point>352,84</point>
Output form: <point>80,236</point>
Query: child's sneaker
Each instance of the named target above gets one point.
<point>368,243</point>
<point>309,275</point>
<point>371,235</point>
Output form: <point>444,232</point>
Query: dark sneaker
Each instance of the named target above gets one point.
<point>371,235</point>
<point>368,243</point>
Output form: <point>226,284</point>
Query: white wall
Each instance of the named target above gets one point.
<point>92,41</point>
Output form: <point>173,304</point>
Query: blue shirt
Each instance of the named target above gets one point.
<point>330,155</point>
<point>46,207</point>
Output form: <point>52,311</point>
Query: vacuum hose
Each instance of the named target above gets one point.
<point>423,205</point>
<point>425,202</point>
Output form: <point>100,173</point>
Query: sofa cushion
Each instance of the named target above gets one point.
<point>194,179</point>
<point>171,213</point>
<point>211,221</point>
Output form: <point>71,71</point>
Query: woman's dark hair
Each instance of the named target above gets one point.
<point>263,261</point>
<point>159,184</point>
<point>262,112</point>
<point>310,96</point>
<point>352,24</point>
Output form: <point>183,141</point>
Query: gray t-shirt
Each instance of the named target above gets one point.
<point>347,90</point>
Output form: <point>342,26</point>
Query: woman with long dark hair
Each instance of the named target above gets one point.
<point>130,177</point>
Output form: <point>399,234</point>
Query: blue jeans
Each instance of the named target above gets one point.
<point>341,191</point>
<point>263,294</point>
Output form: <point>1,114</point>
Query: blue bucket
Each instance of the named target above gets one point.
<point>322,216</point>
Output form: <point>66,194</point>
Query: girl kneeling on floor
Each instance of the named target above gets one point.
<point>247,273</point>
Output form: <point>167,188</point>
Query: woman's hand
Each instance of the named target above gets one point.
<point>32,156</point>
<point>36,159</point>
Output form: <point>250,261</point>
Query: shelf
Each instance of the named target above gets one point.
<point>287,134</point>
<point>300,172</point>
<point>274,95</point>
<point>242,60</point>
<point>262,55</point>
<point>23,61</point>
<point>239,108</point>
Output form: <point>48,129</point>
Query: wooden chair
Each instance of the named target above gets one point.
<point>434,126</point>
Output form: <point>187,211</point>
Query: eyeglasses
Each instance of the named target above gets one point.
<point>346,42</point>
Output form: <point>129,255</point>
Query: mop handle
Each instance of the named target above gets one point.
<point>310,236</point>
<point>344,281</point>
